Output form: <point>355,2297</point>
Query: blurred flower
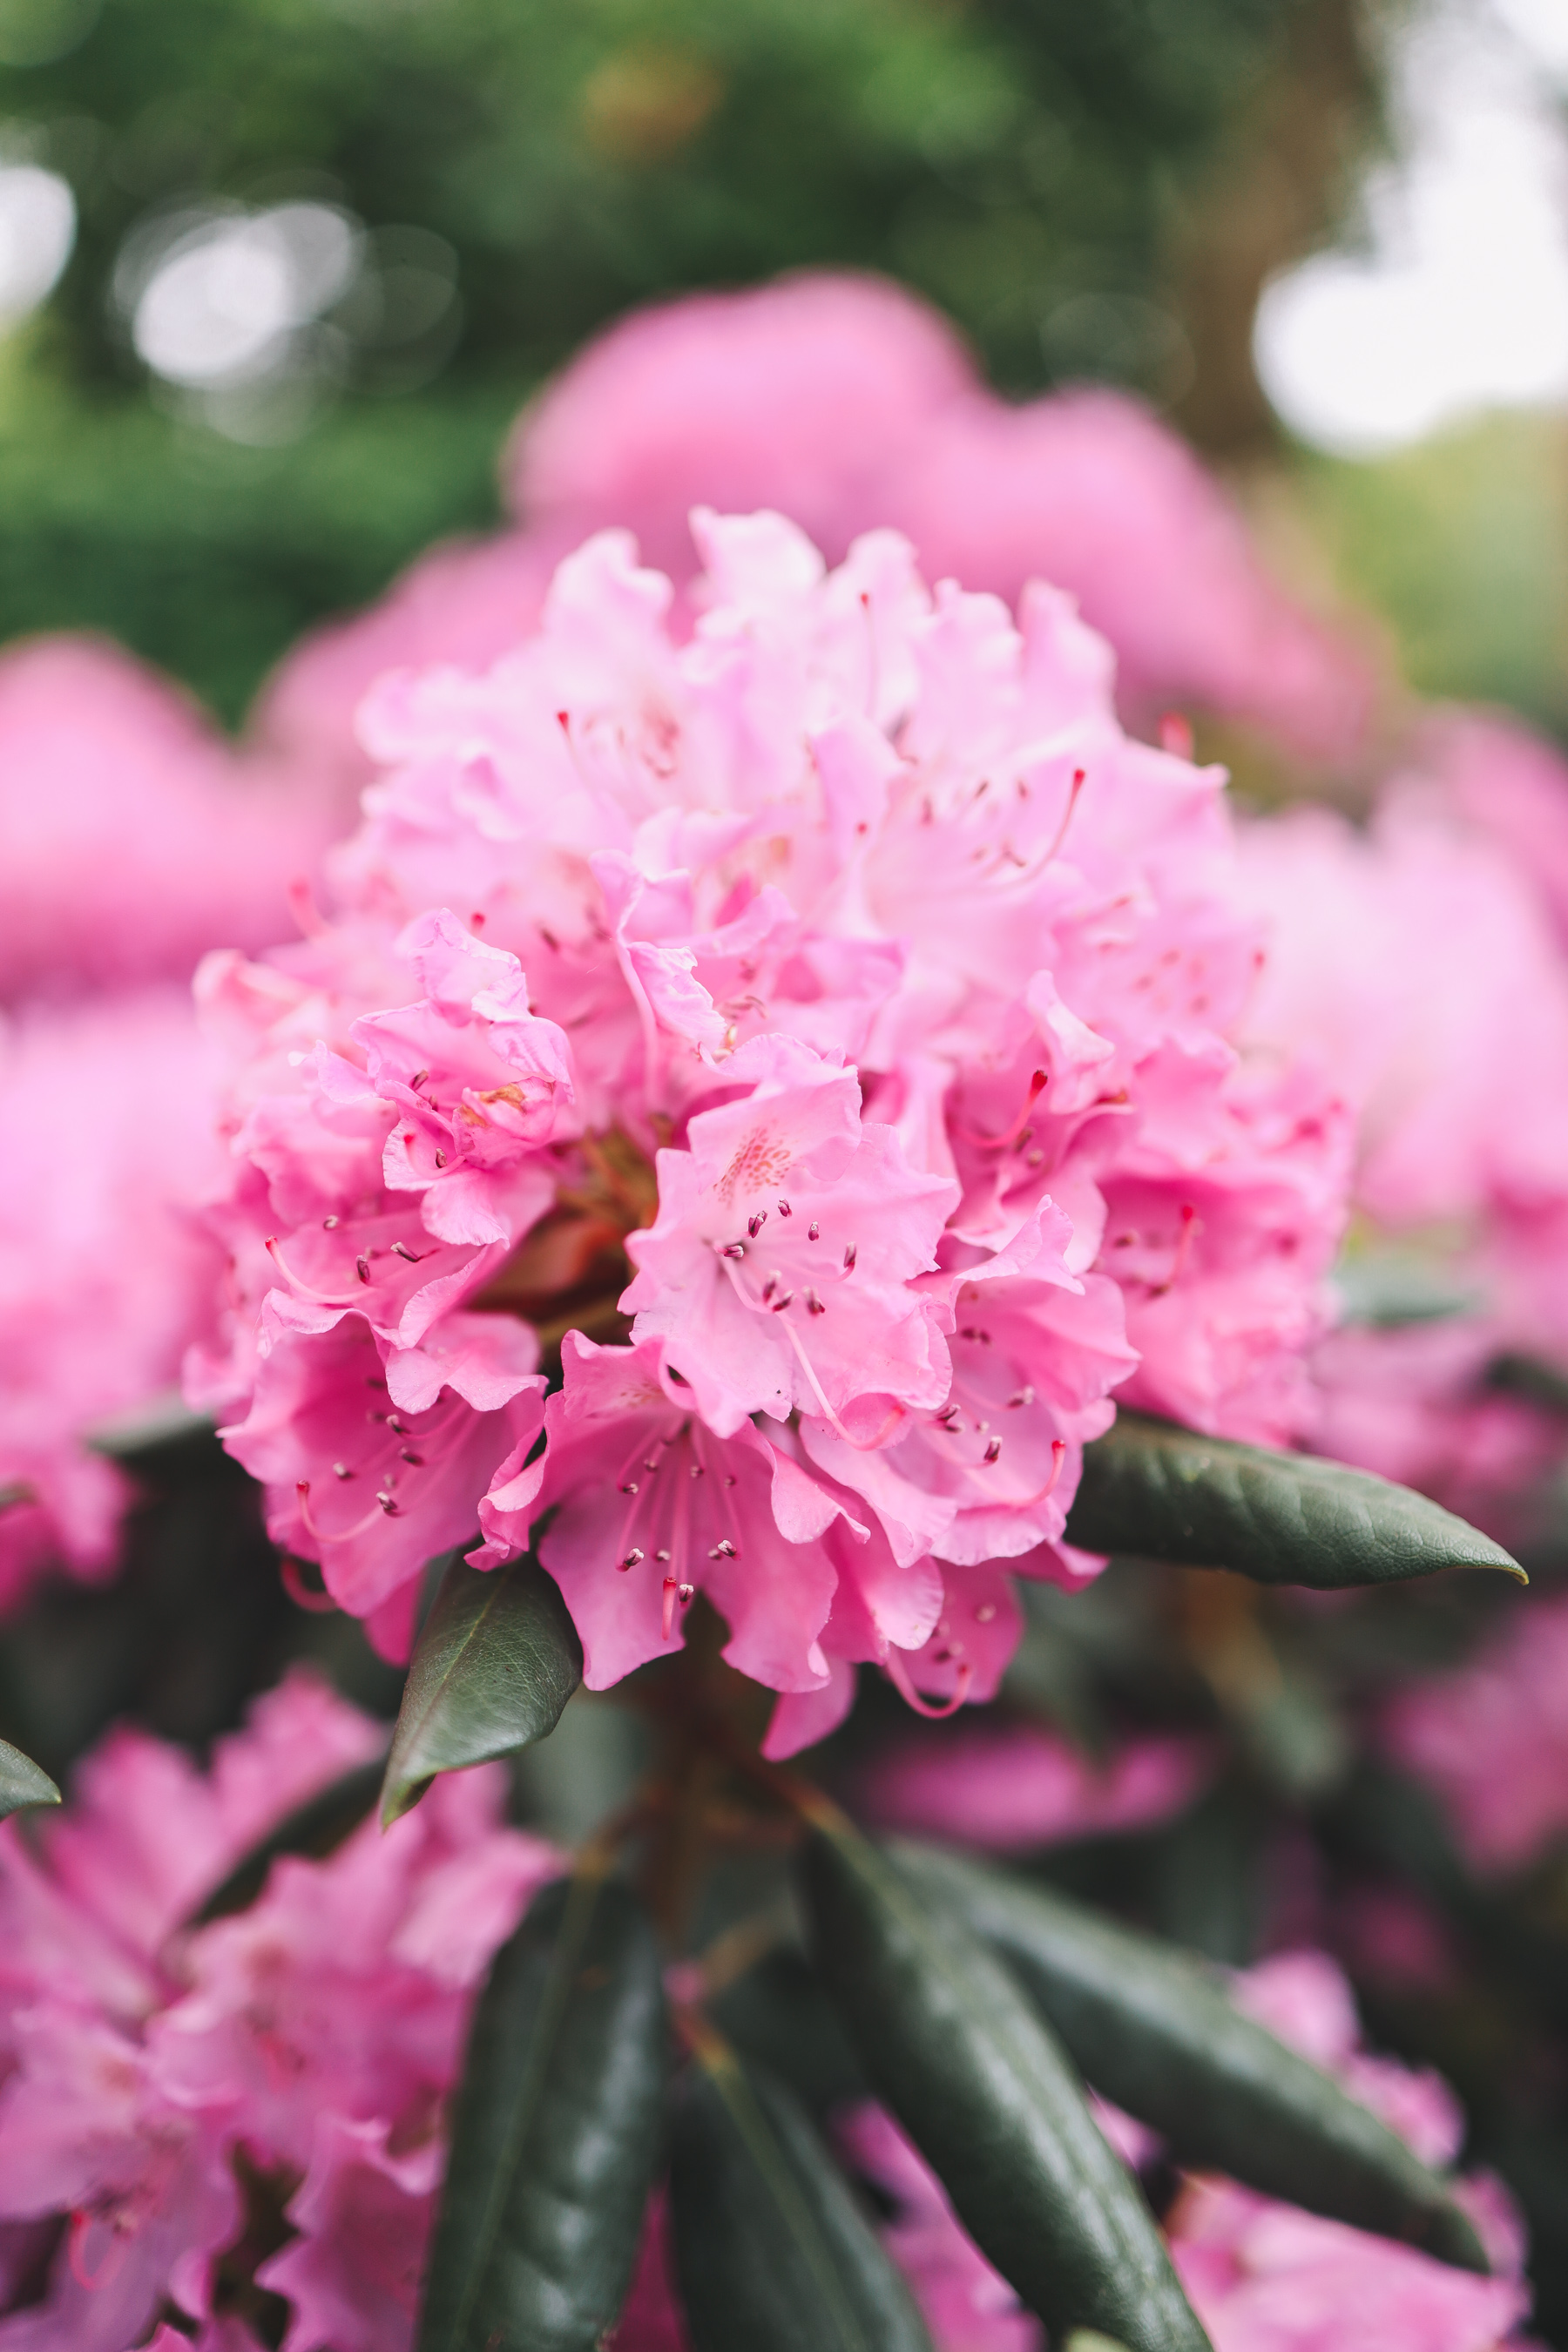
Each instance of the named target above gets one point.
<point>840,996</point>
<point>1010,1787</point>
<point>289,2064</point>
<point>107,1142</point>
<point>1493,1738</point>
<point>847,404</point>
<point>132,838</point>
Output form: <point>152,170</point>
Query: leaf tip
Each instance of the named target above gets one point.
<point>399,1795</point>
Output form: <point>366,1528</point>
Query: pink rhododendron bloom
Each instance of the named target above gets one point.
<point>1010,1787</point>
<point>314,2036</point>
<point>106,1144</point>
<point>1417,962</point>
<point>831,1012</point>
<point>967,2305</point>
<point>1491,1739</point>
<point>845,403</point>
<point>131,838</point>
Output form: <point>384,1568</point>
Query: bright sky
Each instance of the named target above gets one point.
<point>1455,300</point>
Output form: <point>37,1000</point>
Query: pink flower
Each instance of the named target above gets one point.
<point>317,2032</point>
<point>106,1146</point>
<point>836,1004</point>
<point>845,403</point>
<point>130,836</point>
<point>1010,1787</point>
<point>1491,1739</point>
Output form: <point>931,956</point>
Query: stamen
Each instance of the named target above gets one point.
<point>1078,782</point>
<point>814,1232</point>
<point>732,1249</point>
<point>783,1301</point>
<point>305,1289</point>
<point>407,1454</point>
<point>361,1268</point>
<point>850,1255</point>
<point>662,1557</point>
<point>813,1304</point>
<point>633,1559</point>
<point>722,1549</point>
<point>388,1503</point>
<point>986,1613</point>
<point>440,1159</point>
<point>329,1224</point>
<point>754,1224</point>
<point>417,1080</point>
<point>671,1593</point>
<point>934,1711</point>
<point>994,1451</point>
<point>1025,1395</point>
<point>1184,1250</point>
<point>414,1257</point>
<point>687,1595</point>
<point>320,1604</point>
<point>1018,1130</point>
<point>784,1209</point>
<point>342,1470</point>
<point>630,1486</point>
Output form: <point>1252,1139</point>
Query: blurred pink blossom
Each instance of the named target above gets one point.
<point>1491,1739</point>
<point>132,838</point>
<point>1009,1787</point>
<point>840,999</point>
<point>107,1112</point>
<point>318,2031</point>
<point>845,403</point>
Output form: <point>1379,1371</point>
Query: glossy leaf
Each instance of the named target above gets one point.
<point>496,1663</point>
<point>555,2133</point>
<point>1166,1493</point>
<point>987,2094</point>
<point>774,2254</point>
<point>22,1782</point>
<point>316,1829</point>
<point>1156,2032</point>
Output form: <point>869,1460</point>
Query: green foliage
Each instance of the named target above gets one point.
<point>495,1664</point>
<point>771,2251</point>
<point>1155,2031</point>
<point>1166,1493</point>
<point>984,2091</point>
<point>555,2133</point>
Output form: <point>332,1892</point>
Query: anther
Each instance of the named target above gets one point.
<point>630,1487</point>
<point>408,1454</point>
<point>342,1470</point>
<point>813,1304</point>
<point>388,1504</point>
<point>722,1549</point>
<point>440,1159</point>
<point>850,1255</point>
<point>329,1224</point>
<point>401,1249</point>
<point>783,1301</point>
<point>814,1232</point>
<point>994,1450</point>
<point>984,1613</point>
<point>695,1471</point>
<point>769,1288</point>
<point>662,1557</point>
<point>361,1267</point>
<point>754,1224</point>
<point>418,1078</point>
<point>687,1594</point>
<point>784,1209</point>
<point>398,1428</point>
<point>732,1249</point>
<point>633,1559</point>
<point>1025,1395</point>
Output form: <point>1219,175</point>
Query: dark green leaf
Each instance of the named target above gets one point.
<point>988,2096</point>
<point>316,1828</point>
<point>22,1782</point>
<point>774,2254</point>
<point>556,2131</point>
<point>1089,2339</point>
<point>1155,2031</point>
<point>1166,1493</point>
<point>497,1662</point>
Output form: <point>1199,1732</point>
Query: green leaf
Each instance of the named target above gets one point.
<point>1166,1493</point>
<point>316,1829</point>
<point>773,2252</point>
<point>984,2091</point>
<point>496,1663</point>
<point>1155,2031</point>
<point>22,1782</point>
<point>556,2131</point>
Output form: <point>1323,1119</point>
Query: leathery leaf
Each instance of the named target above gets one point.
<point>1156,2032</point>
<point>774,2254</point>
<point>990,2098</point>
<point>23,1782</point>
<point>1166,1493</point>
<point>493,1668</point>
<point>556,2131</point>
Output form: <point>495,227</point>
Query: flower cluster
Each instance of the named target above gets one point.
<point>846,978</point>
<point>194,2115</point>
